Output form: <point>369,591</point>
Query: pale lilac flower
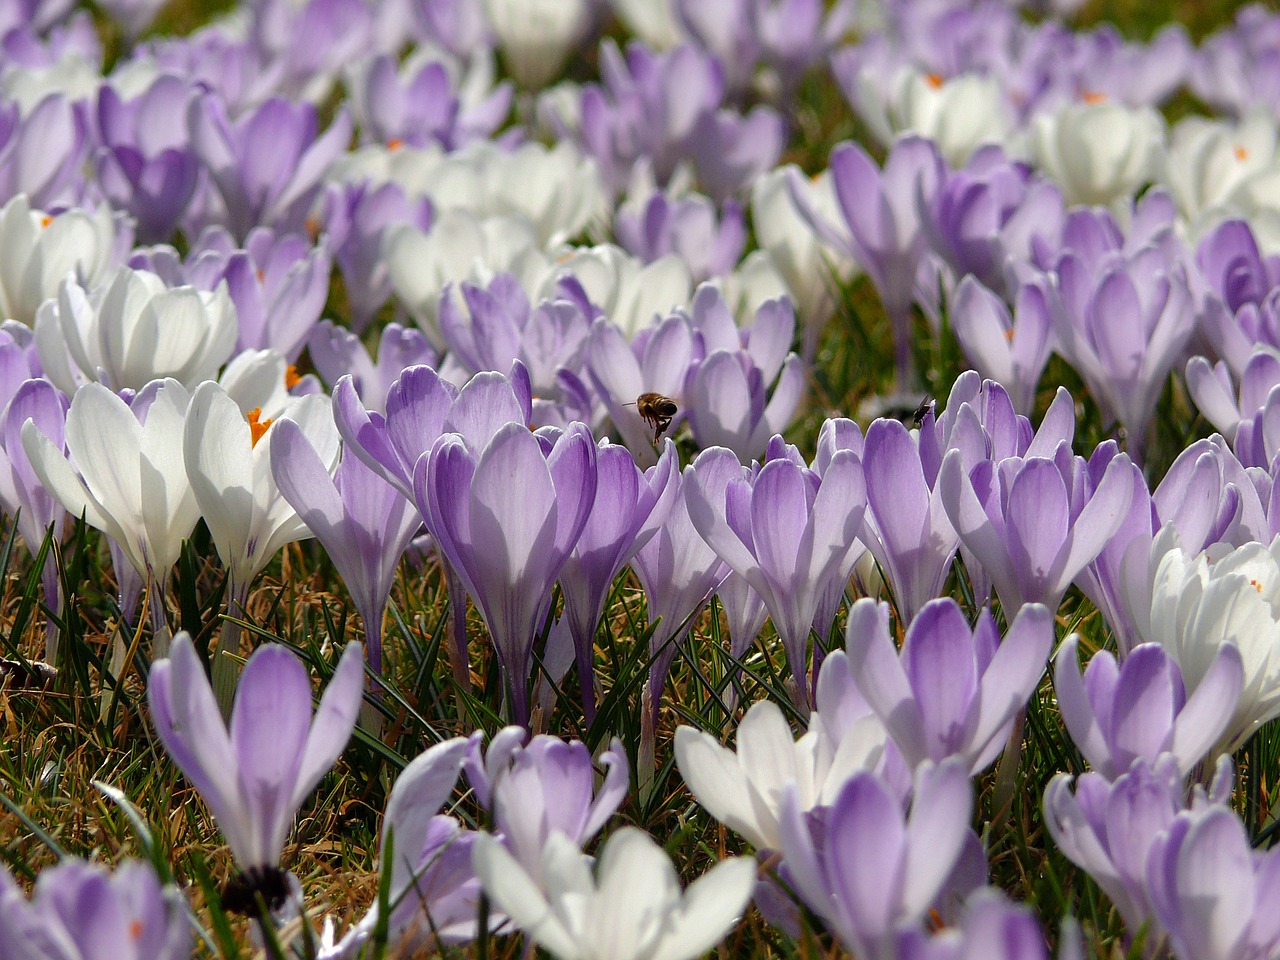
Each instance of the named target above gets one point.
<point>540,787</point>
<point>79,911</point>
<point>786,530</point>
<point>43,150</point>
<point>1116,714</point>
<point>337,352</point>
<point>1011,349</point>
<point>952,691</point>
<point>507,548</point>
<point>254,773</point>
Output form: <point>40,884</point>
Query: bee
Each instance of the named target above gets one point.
<point>655,410</point>
<point>922,411</point>
<point>240,894</point>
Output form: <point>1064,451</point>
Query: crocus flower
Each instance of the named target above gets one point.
<point>1197,606</point>
<point>630,907</point>
<point>41,249</point>
<point>42,149</point>
<point>79,911</point>
<point>1212,891</point>
<point>337,352</point>
<point>128,480</point>
<point>687,226</point>
<point>629,508</point>
<point>881,226</point>
<point>544,787</point>
<point>1028,523</point>
<point>1098,151</point>
<point>992,927</point>
<point>1011,349</point>
<point>266,164</point>
<point>363,522</point>
<point>866,868</point>
<point>1116,714</point>
<point>536,37</point>
<point>247,516</point>
<point>434,895</point>
<point>744,789</point>
<point>508,548</point>
<point>786,530</point>
<point>132,330</point>
<point>254,773</point>
<point>952,692</point>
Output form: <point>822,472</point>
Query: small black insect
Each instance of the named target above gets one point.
<point>240,894</point>
<point>922,411</point>
<point>655,410</point>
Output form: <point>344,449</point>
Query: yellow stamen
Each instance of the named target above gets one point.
<point>257,426</point>
<point>1242,154</point>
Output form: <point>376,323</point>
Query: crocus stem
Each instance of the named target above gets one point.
<point>584,659</point>
<point>225,669</point>
<point>903,358</point>
<point>53,599</point>
<point>160,634</point>
<point>460,658</point>
<point>1007,772</point>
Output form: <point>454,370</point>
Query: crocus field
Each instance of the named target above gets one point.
<point>639,479</point>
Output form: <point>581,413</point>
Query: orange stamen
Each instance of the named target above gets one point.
<point>257,426</point>
<point>395,143</point>
<point>135,930</point>
<point>1241,153</point>
<point>934,80</point>
<point>291,377</point>
<point>1008,334</point>
<point>312,227</point>
<point>1092,97</point>
<point>45,220</point>
<point>1256,585</point>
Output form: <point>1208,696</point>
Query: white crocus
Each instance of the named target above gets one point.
<point>1098,152</point>
<point>228,461</point>
<point>460,246</point>
<point>630,908</point>
<point>1208,159</point>
<point>811,269</point>
<point>744,790</point>
<point>133,330</point>
<point>653,21</point>
<point>1198,604</point>
<point>128,478</point>
<point>631,293</point>
<point>959,113</point>
<point>535,36</point>
<point>40,249</point>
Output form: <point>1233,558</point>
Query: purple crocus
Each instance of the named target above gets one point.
<point>992,927</point>
<point>265,165</point>
<point>864,867</point>
<point>363,522</point>
<point>42,153</point>
<point>882,228</point>
<point>144,165</point>
<point>1032,524</point>
<point>255,773</point>
<point>907,529</point>
<point>541,786</point>
<point>79,910</point>
<point>953,691</point>
<point>1116,714</point>
<point>1212,892</point>
<point>506,513</point>
<point>337,352</point>
<point>630,506</point>
<point>787,531</point>
<point>687,226</point>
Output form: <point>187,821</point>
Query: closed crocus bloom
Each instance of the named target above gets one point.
<point>544,786</point>
<point>786,530</point>
<point>535,36</point>
<point>1100,151</point>
<point>129,480</point>
<point>133,330</point>
<point>1209,158</point>
<point>952,692</point>
<point>506,513</point>
<point>1197,606</point>
<point>630,907</point>
<point>1212,891</point>
<point>41,249</point>
<point>865,867</point>
<point>743,789</point>
<point>255,772</point>
<point>627,290</point>
<point>1116,714</point>
<point>993,927</point>
<point>79,911</point>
